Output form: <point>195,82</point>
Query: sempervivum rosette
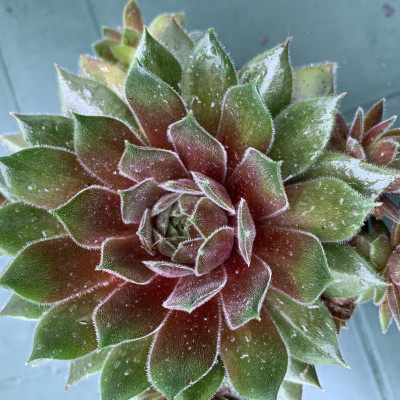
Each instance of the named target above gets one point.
<point>173,239</point>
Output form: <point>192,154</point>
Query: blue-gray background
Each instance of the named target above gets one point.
<point>363,36</point>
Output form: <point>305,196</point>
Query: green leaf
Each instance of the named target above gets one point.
<point>192,291</point>
<point>204,388</point>
<point>301,133</point>
<point>198,150</point>
<point>246,231</point>
<point>52,270</point>
<point>122,257</point>
<point>314,81</point>
<point>132,16</point>
<point>385,314</point>
<point>131,37</point>
<point>124,374</point>
<point>92,216</point>
<point>22,223</point>
<point>207,75</point>
<point>103,49</point>
<point>302,373</point>
<point>255,358</point>
<point>353,275</point>
<point>19,307</point>
<point>158,60</point>
<point>155,104</point>
<point>140,163</point>
<point>257,179</point>
<point>47,130</point>
<point>88,97</point>
<point>112,34</point>
<point>208,216</point>
<point>109,75</point>
<point>245,289</point>
<point>328,208</point>
<point>140,312</point>
<point>290,391</point>
<point>185,348</point>
<point>124,54</point>
<point>297,261</point>
<point>366,178</point>
<point>13,143</point>
<point>176,41</point>
<point>44,176</point>
<point>307,330</point>
<point>87,365</point>
<point>160,23</point>
<point>100,144</point>
<point>273,72</point>
<point>67,332</point>
<point>245,122</point>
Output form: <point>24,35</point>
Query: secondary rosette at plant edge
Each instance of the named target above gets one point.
<point>177,236</point>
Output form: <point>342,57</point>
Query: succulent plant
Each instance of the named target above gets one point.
<point>181,228</point>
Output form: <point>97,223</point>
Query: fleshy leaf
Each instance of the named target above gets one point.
<point>169,269</point>
<point>192,291</point>
<point>88,97</point>
<point>160,23</point>
<point>207,217</point>
<point>302,373</point>
<point>385,314</point>
<point>145,231</point>
<point>244,292</point>
<point>374,115</point>
<point>366,178</point>
<point>122,257</point>
<point>352,273</point>
<point>47,130</point>
<point>100,144</point>
<point>198,150</point>
<point>132,16</point>
<point>214,191</point>
<point>297,262</point>
<point>328,208</point>
<point>215,250</point>
<point>106,73</point>
<point>377,131</point>
<point>155,104</point>
<point>131,37</point>
<point>141,163</point>
<point>314,81</point>
<point>357,127</point>
<point>139,197</point>
<point>301,133</point>
<point>255,358</point>
<point>44,176</point>
<point>273,72</point>
<point>132,311</point>
<point>394,265</point>
<point>57,334</point>
<point>19,307</point>
<point>290,391</point>
<point>176,41</point>
<point>185,348</point>
<point>87,365</point>
<point>246,231</point>
<point>103,48</point>
<point>245,122</point>
<point>257,179</point>
<point>382,152</point>
<point>207,75</point>
<point>394,303</point>
<point>52,270</point>
<point>124,373</point>
<point>13,143</point>
<point>307,330</point>
<point>124,54</point>
<point>158,60</point>
<point>92,216</point>
<point>184,186</point>
<point>186,251</point>
<point>22,223</point>
<point>204,388</point>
